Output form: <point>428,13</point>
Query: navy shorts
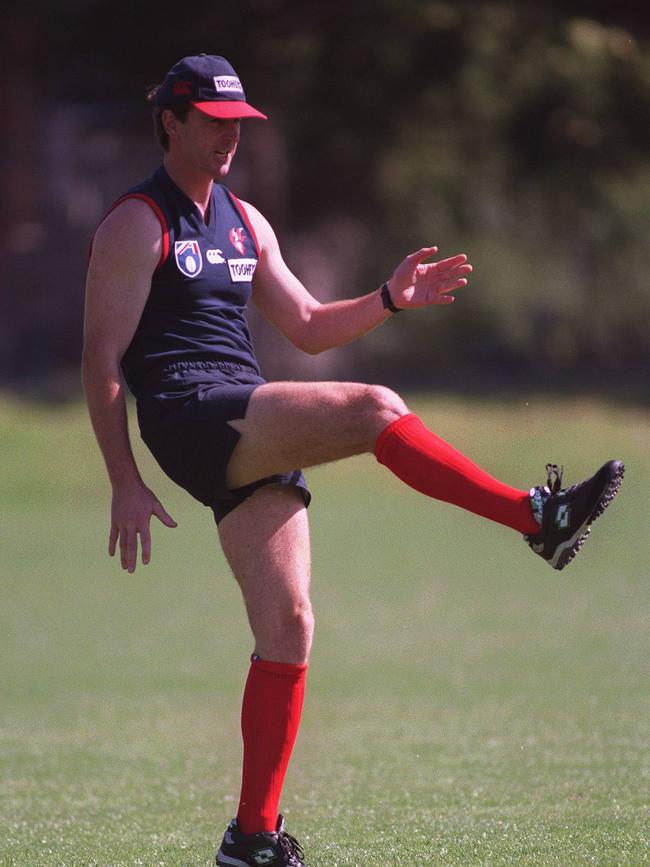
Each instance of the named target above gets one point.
<point>183,420</point>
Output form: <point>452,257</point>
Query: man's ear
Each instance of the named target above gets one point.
<point>170,123</point>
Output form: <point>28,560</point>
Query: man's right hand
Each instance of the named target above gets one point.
<point>131,512</point>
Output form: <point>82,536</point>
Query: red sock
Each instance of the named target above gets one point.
<point>269,721</point>
<point>433,467</point>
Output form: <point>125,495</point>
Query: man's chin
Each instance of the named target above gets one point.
<point>222,171</point>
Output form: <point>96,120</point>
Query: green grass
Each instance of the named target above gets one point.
<point>466,704</point>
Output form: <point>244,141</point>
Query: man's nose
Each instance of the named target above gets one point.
<point>231,129</point>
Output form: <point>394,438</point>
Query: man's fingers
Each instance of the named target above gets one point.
<point>455,265</point>
<point>131,513</point>
<point>123,549</point>
<point>132,545</point>
<point>440,295</point>
<point>450,285</point>
<point>128,537</point>
<point>162,515</point>
<point>129,548</point>
<point>112,539</point>
<point>422,253</point>
<point>145,544</point>
<point>145,533</point>
<point>457,271</point>
<point>451,262</point>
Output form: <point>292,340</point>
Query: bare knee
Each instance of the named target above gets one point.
<point>381,406</point>
<point>299,622</point>
<point>286,636</point>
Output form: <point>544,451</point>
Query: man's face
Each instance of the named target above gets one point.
<point>207,143</point>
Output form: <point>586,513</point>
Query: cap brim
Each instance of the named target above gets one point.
<point>228,109</point>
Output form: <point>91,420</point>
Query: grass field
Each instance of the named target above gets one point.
<point>466,704</point>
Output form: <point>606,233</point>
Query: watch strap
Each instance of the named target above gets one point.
<point>387,301</point>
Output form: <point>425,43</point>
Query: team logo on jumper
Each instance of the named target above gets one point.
<point>237,238</point>
<point>241,270</point>
<point>214,257</point>
<point>188,257</point>
<point>227,83</point>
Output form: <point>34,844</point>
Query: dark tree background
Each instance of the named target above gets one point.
<point>518,133</point>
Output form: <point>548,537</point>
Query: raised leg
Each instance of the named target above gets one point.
<point>302,424</point>
<point>292,424</point>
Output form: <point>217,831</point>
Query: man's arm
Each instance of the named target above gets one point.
<point>315,327</point>
<point>126,249</point>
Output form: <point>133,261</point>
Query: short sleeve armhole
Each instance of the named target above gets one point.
<point>155,207</point>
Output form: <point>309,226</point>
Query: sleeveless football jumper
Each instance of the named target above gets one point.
<point>191,364</point>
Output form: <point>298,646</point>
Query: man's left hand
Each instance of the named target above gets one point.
<point>416,284</point>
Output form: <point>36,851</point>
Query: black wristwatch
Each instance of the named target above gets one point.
<point>387,301</point>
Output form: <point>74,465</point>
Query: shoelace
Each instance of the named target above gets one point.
<point>554,477</point>
<point>292,849</point>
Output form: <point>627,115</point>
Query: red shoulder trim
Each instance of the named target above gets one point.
<point>155,207</point>
<point>242,210</point>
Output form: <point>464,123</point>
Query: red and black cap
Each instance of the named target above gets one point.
<point>210,84</point>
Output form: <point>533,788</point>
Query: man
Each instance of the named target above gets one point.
<point>172,267</point>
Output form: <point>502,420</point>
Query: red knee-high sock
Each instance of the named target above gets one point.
<point>270,718</point>
<point>433,467</point>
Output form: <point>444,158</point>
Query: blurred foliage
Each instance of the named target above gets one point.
<point>518,133</point>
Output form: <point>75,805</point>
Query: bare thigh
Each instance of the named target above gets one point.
<point>266,542</point>
<point>302,424</point>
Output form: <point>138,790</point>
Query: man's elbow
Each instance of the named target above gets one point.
<point>308,337</point>
<point>96,362</point>
<point>308,342</point>
<point>314,350</point>
<point>91,359</point>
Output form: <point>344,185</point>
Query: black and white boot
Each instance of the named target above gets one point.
<point>275,848</point>
<point>566,515</point>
